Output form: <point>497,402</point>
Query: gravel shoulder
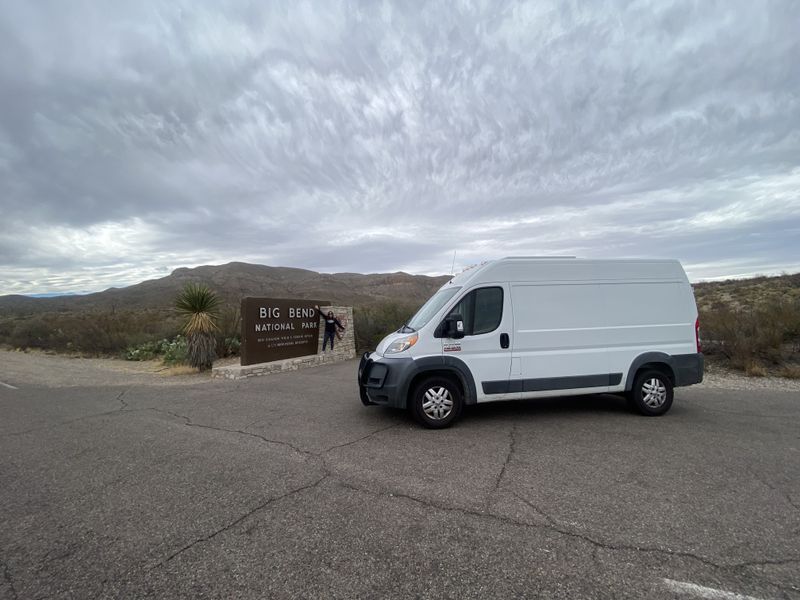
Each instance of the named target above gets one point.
<point>718,377</point>
<point>58,370</point>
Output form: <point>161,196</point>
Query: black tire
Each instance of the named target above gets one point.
<point>438,390</point>
<point>652,393</point>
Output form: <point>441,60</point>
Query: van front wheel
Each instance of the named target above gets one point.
<point>436,402</point>
<point>652,393</point>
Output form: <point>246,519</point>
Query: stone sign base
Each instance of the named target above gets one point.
<point>344,349</point>
<point>277,366</point>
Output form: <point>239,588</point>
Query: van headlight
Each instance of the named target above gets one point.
<point>402,344</point>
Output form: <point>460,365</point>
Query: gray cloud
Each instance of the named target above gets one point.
<point>363,137</point>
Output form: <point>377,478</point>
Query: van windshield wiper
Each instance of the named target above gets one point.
<point>406,329</point>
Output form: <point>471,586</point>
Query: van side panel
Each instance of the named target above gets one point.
<point>560,339</point>
<point>648,318</point>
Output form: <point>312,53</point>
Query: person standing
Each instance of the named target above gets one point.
<point>331,324</point>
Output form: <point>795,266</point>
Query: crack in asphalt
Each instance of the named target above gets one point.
<point>596,559</point>
<point>9,580</point>
<point>777,490</point>
<point>554,527</point>
<point>512,443</point>
<point>121,400</point>
<point>70,421</point>
<point>318,455</point>
<point>537,510</point>
<point>362,438</point>
<point>249,513</point>
<point>57,554</point>
<point>189,423</point>
<point>306,453</point>
<point>118,398</point>
<point>551,524</point>
<point>765,563</point>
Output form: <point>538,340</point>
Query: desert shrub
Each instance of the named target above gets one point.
<point>34,332</point>
<point>753,336</point>
<point>146,351</point>
<point>229,346</point>
<point>199,306</point>
<point>374,322</point>
<point>176,351</point>
<point>95,332</point>
<point>171,351</point>
<point>6,328</point>
<point>229,327</point>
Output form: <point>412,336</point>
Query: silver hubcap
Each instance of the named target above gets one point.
<point>438,403</point>
<point>654,392</point>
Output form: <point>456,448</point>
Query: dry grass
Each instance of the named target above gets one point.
<point>178,370</point>
<point>754,369</point>
<point>789,371</point>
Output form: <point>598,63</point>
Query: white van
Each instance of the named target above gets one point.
<point>524,327</point>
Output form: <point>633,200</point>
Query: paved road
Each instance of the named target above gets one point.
<point>285,486</point>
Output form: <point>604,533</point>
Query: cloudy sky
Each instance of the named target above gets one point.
<point>138,137</point>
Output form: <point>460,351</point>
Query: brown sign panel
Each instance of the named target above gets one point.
<point>275,329</point>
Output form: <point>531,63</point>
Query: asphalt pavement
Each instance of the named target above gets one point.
<point>287,487</point>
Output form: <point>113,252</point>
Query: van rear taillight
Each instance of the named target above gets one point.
<point>697,335</point>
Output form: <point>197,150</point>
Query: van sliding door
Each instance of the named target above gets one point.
<point>559,340</point>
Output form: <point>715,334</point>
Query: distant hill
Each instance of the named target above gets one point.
<point>236,280</point>
<point>747,293</point>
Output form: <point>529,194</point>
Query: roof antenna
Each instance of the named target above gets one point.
<point>453,266</point>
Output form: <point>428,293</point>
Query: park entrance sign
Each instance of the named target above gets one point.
<point>277,329</point>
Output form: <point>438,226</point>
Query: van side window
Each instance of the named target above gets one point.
<point>464,308</point>
<point>488,310</point>
<point>481,310</point>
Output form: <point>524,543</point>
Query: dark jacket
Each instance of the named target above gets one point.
<point>330,324</point>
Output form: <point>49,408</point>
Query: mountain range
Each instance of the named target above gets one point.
<point>236,280</point>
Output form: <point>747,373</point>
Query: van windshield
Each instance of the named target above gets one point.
<point>431,307</point>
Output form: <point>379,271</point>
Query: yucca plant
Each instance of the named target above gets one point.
<point>200,306</point>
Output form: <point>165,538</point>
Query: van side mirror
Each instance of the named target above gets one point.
<point>454,326</point>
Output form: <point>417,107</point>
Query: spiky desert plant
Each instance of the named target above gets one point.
<point>200,306</point>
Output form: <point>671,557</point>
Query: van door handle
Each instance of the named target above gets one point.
<point>504,340</point>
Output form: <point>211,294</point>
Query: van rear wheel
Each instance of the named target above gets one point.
<point>436,402</point>
<point>652,393</point>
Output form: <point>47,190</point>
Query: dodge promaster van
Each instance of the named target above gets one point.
<point>533,327</point>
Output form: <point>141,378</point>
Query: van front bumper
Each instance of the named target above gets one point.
<point>385,381</point>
